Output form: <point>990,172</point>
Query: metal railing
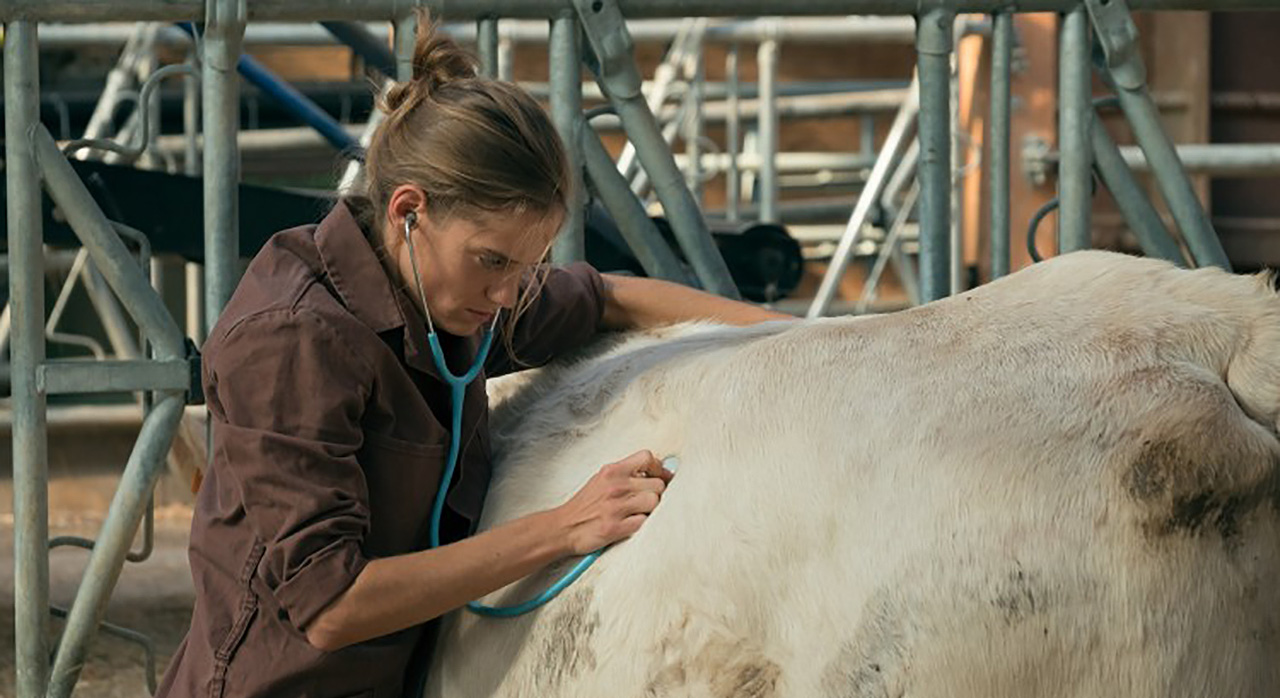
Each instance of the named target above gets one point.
<point>34,160</point>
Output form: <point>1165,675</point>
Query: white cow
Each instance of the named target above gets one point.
<point>1063,483</point>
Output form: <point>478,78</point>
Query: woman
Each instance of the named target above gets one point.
<point>332,419</point>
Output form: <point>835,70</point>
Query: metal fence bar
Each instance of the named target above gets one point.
<point>767,76</point>
<point>566,112</point>
<point>224,29</point>
<point>694,122</point>
<point>146,462</point>
<point>955,200</point>
<point>634,223</point>
<point>405,32</point>
<point>313,10</point>
<point>193,275</point>
<point>26,298</point>
<point>733,135</point>
<point>867,201</point>
<point>1075,116</point>
<point>1134,205</point>
<point>934,39</point>
<point>79,377</point>
<point>1216,159</point>
<point>487,45</point>
<point>998,145</point>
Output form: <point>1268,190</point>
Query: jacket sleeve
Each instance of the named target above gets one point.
<point>287,399</point>
<point>565,316</point>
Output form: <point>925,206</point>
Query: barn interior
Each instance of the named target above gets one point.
<point>825,158</point>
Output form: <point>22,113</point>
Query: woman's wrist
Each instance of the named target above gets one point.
<point>551,530</point>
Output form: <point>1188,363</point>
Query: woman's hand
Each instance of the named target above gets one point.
<point>613,503</point>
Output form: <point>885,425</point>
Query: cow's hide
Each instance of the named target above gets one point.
<point>1060,484</point>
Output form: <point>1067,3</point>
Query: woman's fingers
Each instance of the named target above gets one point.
<point>645,464</point>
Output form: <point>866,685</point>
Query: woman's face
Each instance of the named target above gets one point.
<point>471,267</point>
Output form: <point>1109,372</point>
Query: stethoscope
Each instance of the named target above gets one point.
<point>457,391</point>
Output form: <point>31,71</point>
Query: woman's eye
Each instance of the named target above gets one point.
<point>491,262</point>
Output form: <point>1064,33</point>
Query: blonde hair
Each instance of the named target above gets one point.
<point>476,146</point>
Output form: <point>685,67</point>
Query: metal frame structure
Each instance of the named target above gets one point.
<point>591,31</point>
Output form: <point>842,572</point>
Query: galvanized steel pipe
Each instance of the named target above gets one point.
<point>27,351</point>
<point>768,127</point>
<point>998,141</point>
<point>934,31</point>
<point>1134,205</point>
<point>566,112</point>
<point>633,221</point>
<point>1075,119</point>
<point>224,29</point>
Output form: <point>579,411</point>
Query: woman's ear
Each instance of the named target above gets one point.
<point>407,202</point>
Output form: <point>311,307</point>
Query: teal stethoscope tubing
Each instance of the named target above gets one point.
<point>457,389</point>
<point>457,392</point>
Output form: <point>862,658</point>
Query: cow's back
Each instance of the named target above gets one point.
<point>1061,484</point>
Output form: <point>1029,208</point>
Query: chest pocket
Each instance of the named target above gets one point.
<point>402,478</point>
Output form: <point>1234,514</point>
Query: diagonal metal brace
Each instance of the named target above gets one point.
<point>1124,68</point>
<point>616,72</point>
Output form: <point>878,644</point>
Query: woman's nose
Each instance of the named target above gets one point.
<point>505,292</point>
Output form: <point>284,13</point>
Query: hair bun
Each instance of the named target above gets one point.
<point>437,61</point>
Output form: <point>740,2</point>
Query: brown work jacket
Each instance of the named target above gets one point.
<point>331,429</point>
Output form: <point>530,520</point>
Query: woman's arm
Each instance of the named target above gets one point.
<point>637,303</point>
<point>394,593</point>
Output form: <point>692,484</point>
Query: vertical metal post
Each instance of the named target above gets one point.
<point>767,72</point>
<point>26,297</point>
<point>693,125</point>
<point>193,275</point>
<point>934,40</point>
<point>506,56</point>
<point>224,33</point>
<point>956,198</point>
<point>998,141</point>
<point>404,34</point>
<point>191,117</point>
<point>487,43</point>
<point>733,136</point>
<point>566,113</point>
<point>1075,118</point>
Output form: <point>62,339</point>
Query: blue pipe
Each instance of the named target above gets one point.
<point>292,100</point>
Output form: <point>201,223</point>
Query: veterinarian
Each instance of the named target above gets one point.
<point>332,417</point>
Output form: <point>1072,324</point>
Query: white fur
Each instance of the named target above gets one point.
<point>1060,484</point>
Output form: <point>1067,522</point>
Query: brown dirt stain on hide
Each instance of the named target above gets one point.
<point>1019,595</point>
<point>873,662</point>
<point>564,641</point>
<point>719,664</point>
<point>1194,496</point>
